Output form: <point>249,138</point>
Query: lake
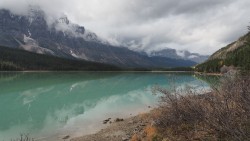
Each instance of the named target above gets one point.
<point>50,105</point>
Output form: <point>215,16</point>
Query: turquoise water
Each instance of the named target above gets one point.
<point>50,105</point>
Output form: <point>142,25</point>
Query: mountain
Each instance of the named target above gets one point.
<point>185,55</point>
<point>21,60</point>
<point>234,55</point>
<point>62,38</point>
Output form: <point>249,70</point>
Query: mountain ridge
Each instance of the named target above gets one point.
<point>64,39</point>
<point>21,60</point>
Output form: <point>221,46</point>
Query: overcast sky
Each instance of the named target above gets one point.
<point>202,26</point>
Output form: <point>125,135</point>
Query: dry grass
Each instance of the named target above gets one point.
<point>150,132</point>
<point>223,114</point>
<point>135,138</point>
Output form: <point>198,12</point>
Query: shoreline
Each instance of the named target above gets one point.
<point>121,130</point>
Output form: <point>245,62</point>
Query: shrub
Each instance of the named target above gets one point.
<point>222,114</point>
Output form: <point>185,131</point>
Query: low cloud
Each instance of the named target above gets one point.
<point>194,25</point>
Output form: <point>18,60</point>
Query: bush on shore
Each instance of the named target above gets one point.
<point>222,114</point>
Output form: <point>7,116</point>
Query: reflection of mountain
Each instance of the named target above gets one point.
<point>26,81</point>
<point>31,97</point>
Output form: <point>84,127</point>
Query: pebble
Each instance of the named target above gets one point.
<point>153,123</point>
<point>131,122</point>
<point>142,124</point>
<point>125,139</point>
<point>106,121</point>
<point>66,137</point>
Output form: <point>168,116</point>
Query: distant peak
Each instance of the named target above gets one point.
<point>35,11</point>
<point>64,19</point>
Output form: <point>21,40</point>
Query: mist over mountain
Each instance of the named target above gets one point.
<point>174,54</point>
<point>145,25</point>
<point>60,37</point>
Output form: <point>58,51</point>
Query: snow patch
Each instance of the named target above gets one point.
<point>180,53</point>
<point>192,56</point>
<point>32,46</point>
<point>31,19</point>
<point>29,40</point>
<point>73,54</point>
<point>12,15</point>
<point>29,33</point>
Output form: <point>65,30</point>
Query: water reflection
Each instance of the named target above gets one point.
<point>53,104</point>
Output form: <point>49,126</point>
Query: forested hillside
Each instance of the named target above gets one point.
<point>236,54</point>
<point>20,60</point>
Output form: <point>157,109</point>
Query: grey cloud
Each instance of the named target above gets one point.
<point>153,9</point>
<point>201,26</point>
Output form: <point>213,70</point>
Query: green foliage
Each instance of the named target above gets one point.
<point>20,60</point>
<point>8,66</point>
<point>210,66</point>
<point>239,58</point>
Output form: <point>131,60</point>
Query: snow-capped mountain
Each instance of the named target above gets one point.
<point>59,37</point>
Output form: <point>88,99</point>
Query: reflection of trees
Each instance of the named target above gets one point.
<point>212,80</point>
<point>9,76</point>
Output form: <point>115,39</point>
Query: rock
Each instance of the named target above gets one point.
<point>119,119</point>
<point>153,123</point>
<point>125,138</point>
<point>66,137</point>
<point>144,135</point>
<point>142,124</point>
<point>135,130</point>
<point>131,122</point>
<point>106,121</point>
